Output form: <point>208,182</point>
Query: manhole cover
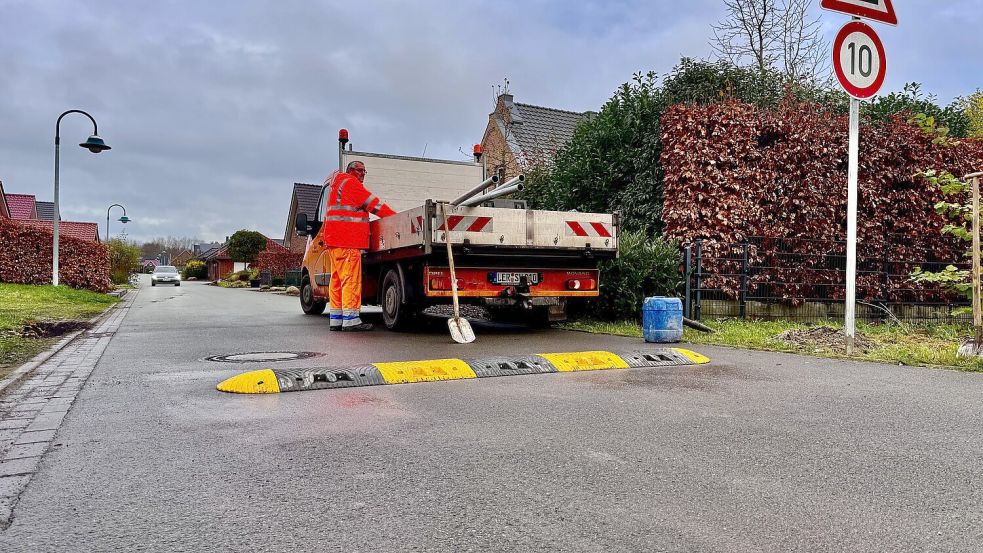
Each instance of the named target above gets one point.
<point>262,356</point>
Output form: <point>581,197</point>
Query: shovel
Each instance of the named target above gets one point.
<point>460,328</point>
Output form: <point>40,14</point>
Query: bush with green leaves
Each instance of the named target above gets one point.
<point>960,212</point>
<point>124,258</point>
<point>645,267</point>
<point>195,269</point>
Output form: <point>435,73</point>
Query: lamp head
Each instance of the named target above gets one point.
<point>124,219</point>
<point>95,144</point>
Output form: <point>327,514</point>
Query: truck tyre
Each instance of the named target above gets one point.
<point>395,314</point>
<point>310,304</point>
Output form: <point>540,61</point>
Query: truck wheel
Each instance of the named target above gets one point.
<point>395,314</point>
<point>310,304</point>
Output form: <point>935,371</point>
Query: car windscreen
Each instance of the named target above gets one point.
<point>165,269</point>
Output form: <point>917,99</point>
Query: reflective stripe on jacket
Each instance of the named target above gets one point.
<point>346,219</point>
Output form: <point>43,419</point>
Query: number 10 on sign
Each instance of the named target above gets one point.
<point>860,66</point>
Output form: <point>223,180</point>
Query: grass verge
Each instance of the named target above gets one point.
<point>21,304</point>
<point>921,345</point>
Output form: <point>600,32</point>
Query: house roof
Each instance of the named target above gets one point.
<point>210,253</point>
<point>223,253</point>
<point>540,127</point>
<point>73,229</point>
<point>4,210</point>
<point>307,196</point>
<point>22,206</point>
<point>534,132</point>
<point>46,210</point>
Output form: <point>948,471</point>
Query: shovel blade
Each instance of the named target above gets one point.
<point>460,330</point>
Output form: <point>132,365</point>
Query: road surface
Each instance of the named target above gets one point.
<point>754,452</point>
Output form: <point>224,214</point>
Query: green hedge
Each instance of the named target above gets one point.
<point>645,267</point>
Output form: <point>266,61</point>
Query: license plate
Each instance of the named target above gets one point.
<point>514,279</point>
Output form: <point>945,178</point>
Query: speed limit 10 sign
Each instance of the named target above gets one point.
<point>858,60</point>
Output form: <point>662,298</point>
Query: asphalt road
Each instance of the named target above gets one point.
<point>754,452</point>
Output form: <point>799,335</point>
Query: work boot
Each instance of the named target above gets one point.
<point>358,328</point>
<point>334,327</point>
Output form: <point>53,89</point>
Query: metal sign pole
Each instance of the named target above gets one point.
<point>851,227</point>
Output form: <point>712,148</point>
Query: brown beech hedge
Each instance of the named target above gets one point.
<point>278,262</point>
<point>736,173</point>
<point>25,258</point>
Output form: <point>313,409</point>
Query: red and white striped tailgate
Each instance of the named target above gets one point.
<point>468,223</point>
<point>583,228</point>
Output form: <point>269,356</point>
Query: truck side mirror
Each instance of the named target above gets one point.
<point>303,229</point>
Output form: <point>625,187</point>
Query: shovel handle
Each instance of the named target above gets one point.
<point>450,260</point>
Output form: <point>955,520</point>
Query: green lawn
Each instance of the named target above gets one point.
<point>21,304</point>
<point>923,345</point>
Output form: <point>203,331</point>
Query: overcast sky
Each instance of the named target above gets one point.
<point>215,108</point>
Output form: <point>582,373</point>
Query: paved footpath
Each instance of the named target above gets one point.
<point>32,410</point>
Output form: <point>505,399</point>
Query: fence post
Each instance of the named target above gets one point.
<point>687,273</point>
<point>885,275</point>
<point>699,277</point>
<point>742,299</point>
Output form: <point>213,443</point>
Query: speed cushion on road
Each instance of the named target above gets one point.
<point>271,381</point>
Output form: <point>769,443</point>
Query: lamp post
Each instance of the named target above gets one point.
<point>124,219</point>
<point>95,145</point>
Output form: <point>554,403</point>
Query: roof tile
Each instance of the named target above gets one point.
<point>21,206</point>
<point>74,229</point>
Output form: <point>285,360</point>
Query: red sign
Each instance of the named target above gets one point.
<point>859,60</point>
<point>878,10</point>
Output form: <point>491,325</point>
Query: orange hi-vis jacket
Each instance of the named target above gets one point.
<point>346,219</point>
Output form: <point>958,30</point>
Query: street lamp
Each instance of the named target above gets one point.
<point>94,144</point>
<point>124,219</point>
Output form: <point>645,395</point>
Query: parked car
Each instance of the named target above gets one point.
<point>165,274</point>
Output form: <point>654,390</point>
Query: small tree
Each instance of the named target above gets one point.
<point>124,258</point>
<point>960,212</point>
<point>973,107</point>
<point>245,245</point>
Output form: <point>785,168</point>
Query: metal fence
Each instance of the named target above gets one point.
<point>802,279</point>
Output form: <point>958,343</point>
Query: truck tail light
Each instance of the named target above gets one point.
<point>438,283</point>
<point>581,284</point>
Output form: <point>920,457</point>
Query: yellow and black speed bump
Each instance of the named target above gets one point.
<point>272,381</point>
<point>508,366</point>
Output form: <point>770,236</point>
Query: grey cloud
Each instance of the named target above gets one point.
<point>215,108</point>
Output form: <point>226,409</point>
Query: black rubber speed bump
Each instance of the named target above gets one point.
<point>273,381</point>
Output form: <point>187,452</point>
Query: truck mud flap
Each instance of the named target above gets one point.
<point>272,381</point>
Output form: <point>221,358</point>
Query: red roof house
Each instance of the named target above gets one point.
<point>75,229</point>
<point>4,210</point>
<point>220,264</point>
<point>22,206</point>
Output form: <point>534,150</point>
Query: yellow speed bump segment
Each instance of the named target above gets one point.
<point>585,361</point>
<point>693,356</point>
<point>424,371</point>
<point>253,382</point>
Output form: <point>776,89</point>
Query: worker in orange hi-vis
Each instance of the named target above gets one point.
<point>346,234</point>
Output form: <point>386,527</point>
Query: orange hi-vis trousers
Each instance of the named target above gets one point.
<point>345,289</point>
